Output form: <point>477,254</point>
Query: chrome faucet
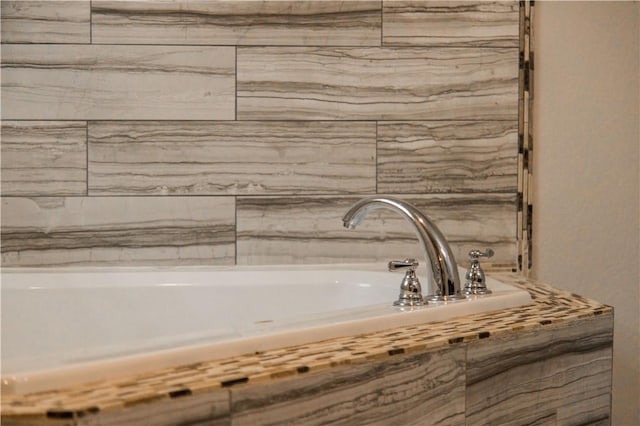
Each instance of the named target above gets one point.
<point>434,245</point>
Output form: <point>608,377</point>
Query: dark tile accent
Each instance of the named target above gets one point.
<point>52,414</point>
<point>179,393</point>
<point>396,351</point>
<point>484,334</point>
<point>233,382</point>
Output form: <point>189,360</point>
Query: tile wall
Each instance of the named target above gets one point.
<point>224,132</point>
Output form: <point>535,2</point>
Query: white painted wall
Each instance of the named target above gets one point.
<point>586,218</point>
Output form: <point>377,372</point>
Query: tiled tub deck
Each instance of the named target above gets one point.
<point>547,363</point>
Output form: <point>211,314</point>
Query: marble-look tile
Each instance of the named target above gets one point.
<point>45,21</point>
<point>117,231</point>
<point>336,23</point>
<point>231,157</point>
<point>409,390</point>
<point>309,229</point>
<point>39,420</point>
<point>548,375</point>
<point>211,409</point>
<point>44,157</point>
<point>81,82</point>
<point>377,83</point>
<point>445,156</point>
<point>450,23</point>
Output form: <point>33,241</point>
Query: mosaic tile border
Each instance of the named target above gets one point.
<point>551,308</point>
<point>525,137</point>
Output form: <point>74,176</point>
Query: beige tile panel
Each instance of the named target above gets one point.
<point>377,83</point>
<point>205,158</point>
<point>117,231</point>
<point>44,157</point>
<point>445,156</point>
<point>407,390</point>
<point>275,230</point>
<point>337,23</point>
<point>450,23</point>
<point>80,82</point>
<point>551,314</point>
<point>45,21</point>
<point>210,409</point>
<point>559,374</point>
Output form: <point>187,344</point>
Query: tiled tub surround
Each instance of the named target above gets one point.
<point>139,320</point>
<point>219,132</point>
<point>547,363</point>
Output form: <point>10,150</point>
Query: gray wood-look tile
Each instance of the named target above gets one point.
<point>211,409</point>
<point>548,376</point>
<point>337,23</point>
<point>451,23</point>
<point>405,390</point>
<point>118,231</point>
<point>272,230</point>
<point>377,83</point>
<point>80,82</point>
<point>44,157</point>
<point>45,21</point>
<point>231,157</point>
<point>444,156</point>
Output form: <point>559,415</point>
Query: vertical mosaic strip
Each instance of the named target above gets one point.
<point>525,136</point>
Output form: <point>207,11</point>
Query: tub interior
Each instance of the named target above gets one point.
<point>68,326</point>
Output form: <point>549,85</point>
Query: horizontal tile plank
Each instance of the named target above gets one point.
<point>542,375</point>
<point>336,23</point>
<point>118,231</point>
<point>377,83</point>
<point>289,230</point>
<point>211,409</point>
<point>404,390</point>
<point>445,156</point>
<point>451,23</point>
<point>45,21</point>
<point>44,158</point>
<point>199,158</point>
<point>82,82</point>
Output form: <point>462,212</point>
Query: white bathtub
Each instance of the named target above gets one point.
<point>63,327</point>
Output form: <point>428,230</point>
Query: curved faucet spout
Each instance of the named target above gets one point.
<point>434,245</point>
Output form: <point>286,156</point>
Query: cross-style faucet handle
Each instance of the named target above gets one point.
<point>410,288</point>
<point>475,279</point>
<point>402,265</point>
<point>475,254</point>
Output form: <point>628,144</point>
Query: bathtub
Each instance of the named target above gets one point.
<point>68,326</point>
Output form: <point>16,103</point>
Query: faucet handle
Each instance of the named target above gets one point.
<point>475,279</point>
<point>410,288</point>
<point>401,265</point>
<point>475,254</point>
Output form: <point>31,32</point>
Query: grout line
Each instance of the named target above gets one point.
<point>280,120</point>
